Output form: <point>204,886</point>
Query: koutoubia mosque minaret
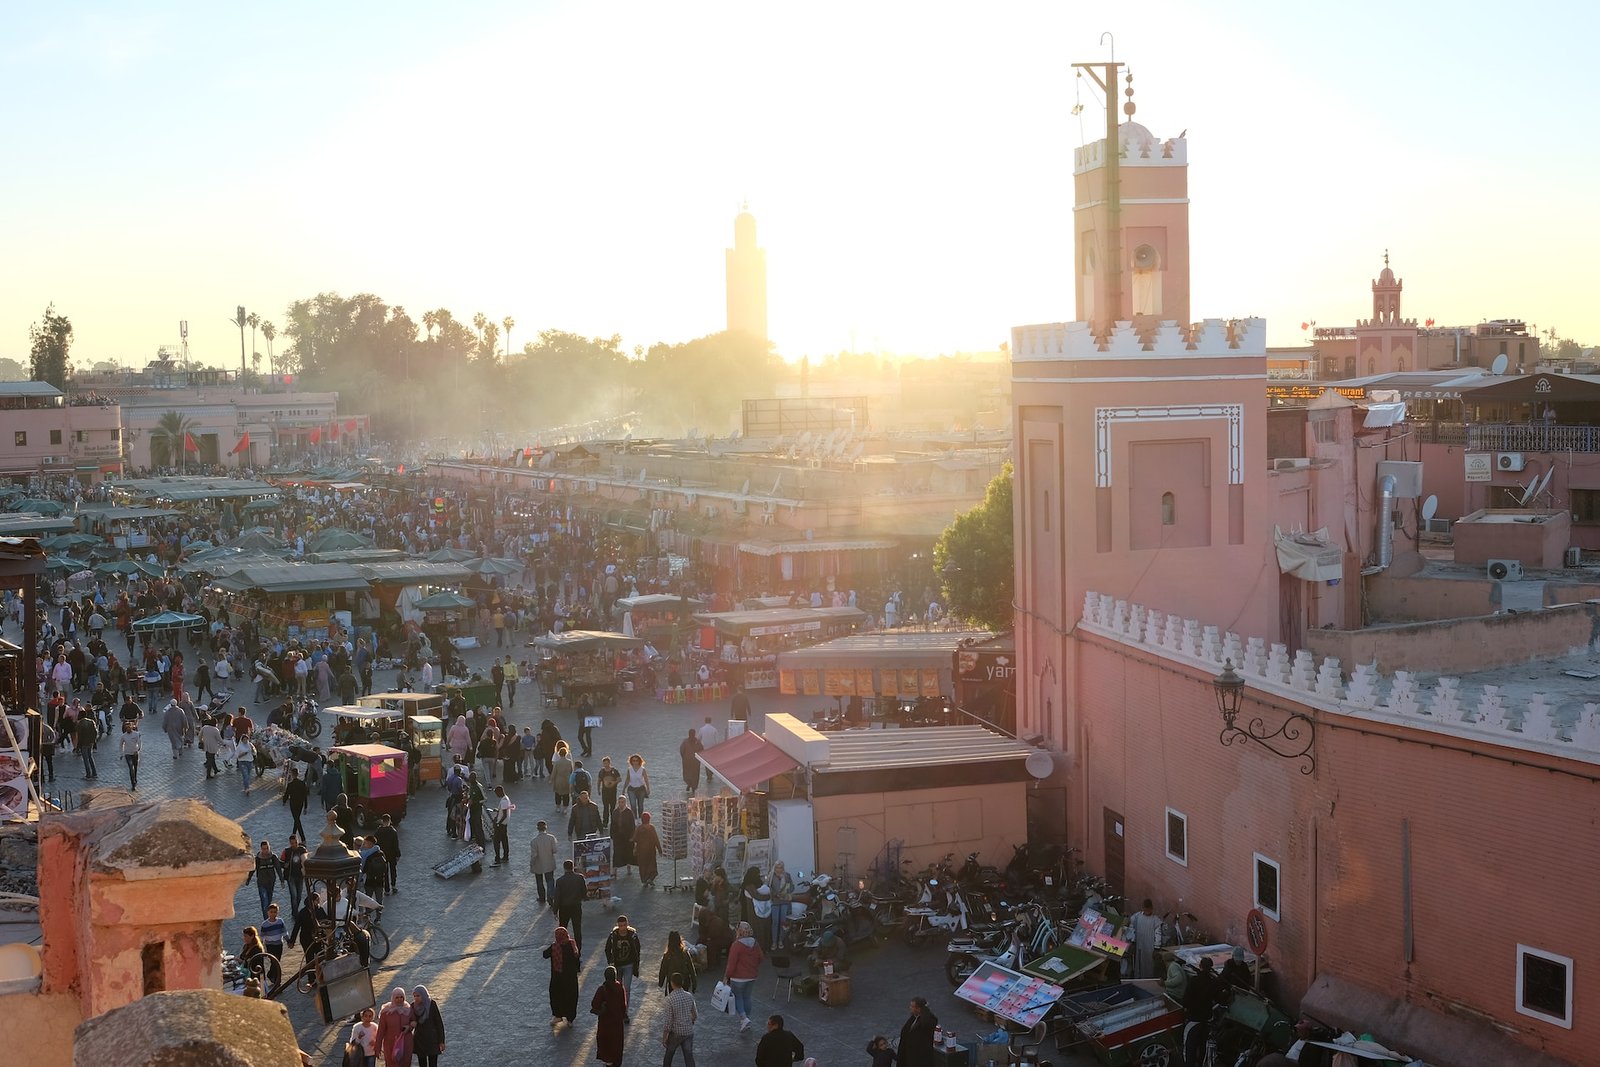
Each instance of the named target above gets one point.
<point>747,279</point>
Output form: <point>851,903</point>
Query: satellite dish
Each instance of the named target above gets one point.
<point>1430,507</point>
<point>643,472</point>
<point>1498,367</point>
<point>1039,764</point>
<point>1527,492</point>
<point>744,490</point>
<point>1544,483</point>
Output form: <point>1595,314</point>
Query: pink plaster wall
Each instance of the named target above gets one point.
<point>1537,544</point>
<point>1460,645</point>
<point>1150,741</point>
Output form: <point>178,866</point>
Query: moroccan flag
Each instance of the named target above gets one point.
<point>316,434</point>
<point>188,443</point>
<point>350,425</point>
<point>244,443</point>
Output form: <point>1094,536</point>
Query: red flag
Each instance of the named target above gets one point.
<point>1305,326</point>
<point>1430,322</point>
<point>188,443</point>
<point>244,443</point>
<point>333,431</point>
<point>350,425</point>
<point>401,469</point>
<point>316,434</point>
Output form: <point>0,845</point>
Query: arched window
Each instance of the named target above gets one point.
<point>1400,365</point>
<point>1169,509</point>
<point>1372,365</point>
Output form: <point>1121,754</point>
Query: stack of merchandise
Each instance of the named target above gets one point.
<point>674,830</point>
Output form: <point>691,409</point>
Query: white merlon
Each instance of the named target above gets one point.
<point>1135,152</point>
<point>1219,338</point>
<point>1487,715</point>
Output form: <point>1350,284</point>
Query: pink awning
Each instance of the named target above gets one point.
<point>746,761</point>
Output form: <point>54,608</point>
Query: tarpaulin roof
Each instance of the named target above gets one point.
<point>295,578</point>
<point>746,761</point>
<point>586,641</point>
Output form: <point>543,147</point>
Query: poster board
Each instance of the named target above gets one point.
<point>592,858</point>
<point>810,684</point>
<point>1014,997</point>
<point>759,854</point>
<point>733,853</point>
<point>864,681</point>
<point>786,684</point>
<point>930,681</point>
<point>910,685</point>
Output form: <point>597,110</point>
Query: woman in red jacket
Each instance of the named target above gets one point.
<point>744,962</point>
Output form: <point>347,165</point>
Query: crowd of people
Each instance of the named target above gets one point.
<point>203,685</point>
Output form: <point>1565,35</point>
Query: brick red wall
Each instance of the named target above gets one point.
<point>1501,853</point>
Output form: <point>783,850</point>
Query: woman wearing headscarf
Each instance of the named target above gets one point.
<point>623,827</point>
<point>563,957</point>
<point>610,1005</point>
<point>646,847</point>
<point>427,1034</point>
<point>394,1030</point>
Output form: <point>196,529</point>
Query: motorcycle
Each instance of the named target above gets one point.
<point>938,910</point>
<point>1028,935</point>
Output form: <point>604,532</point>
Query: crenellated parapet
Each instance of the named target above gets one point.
<point>1139,152</point>
<point>1127,340</point>
<point>1485,714</point>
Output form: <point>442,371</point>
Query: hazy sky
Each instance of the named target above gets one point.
<point>578,165</point>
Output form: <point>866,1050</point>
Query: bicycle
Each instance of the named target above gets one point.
<point>368,919</point>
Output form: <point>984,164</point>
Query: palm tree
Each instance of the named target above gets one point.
<point>269,331</point>
<point>171,430</point>
<point>508,322</point>
<point>430,319</point>
<point>254,320</point>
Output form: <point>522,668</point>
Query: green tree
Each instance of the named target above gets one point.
<point>974,558</point>
<point>269,331</point>
<point>52,341</point>
<point>166,440</point>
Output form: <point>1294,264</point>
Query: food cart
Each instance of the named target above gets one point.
<point>576,663</point>
<point>427,746</point>
<point>375,781</point>
<point>662,619</point>
<point>475,692</point>
<point>353,724</point>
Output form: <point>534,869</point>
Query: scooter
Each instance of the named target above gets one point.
<point>936,911</point>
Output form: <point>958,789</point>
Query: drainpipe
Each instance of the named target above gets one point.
<point>1386,486</point>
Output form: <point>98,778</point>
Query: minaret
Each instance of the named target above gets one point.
<point>1386,296</point>
<point>747,279</point>
<point>1150,241</point>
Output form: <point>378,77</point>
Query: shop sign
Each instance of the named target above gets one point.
<point>976,666</point>
<point>785,628</point>
<point>1480,466</point>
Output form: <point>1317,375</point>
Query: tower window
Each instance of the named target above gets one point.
<point>1372,365</point>
<point>1047,511</point>
<point>1169,509</point>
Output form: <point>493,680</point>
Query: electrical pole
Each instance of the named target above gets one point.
<point>1105,76</point>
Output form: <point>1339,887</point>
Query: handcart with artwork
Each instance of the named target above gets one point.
<point>592,858</point>
<point>1124,1024</point>
<point>1020,1002</point>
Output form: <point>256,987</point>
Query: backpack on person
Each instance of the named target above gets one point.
<point>580,781</point>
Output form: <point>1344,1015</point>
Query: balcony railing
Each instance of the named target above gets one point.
<point>1505,437</point>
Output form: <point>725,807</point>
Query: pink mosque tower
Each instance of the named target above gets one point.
<point>1140,435</point>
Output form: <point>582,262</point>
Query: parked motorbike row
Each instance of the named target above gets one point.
<point>984,913</point>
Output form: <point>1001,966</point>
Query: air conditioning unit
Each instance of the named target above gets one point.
<point>710,511</point>
<point>738,507</point>
<point>1574,556</point>
<point>1505,570</point>
<point>1291,464</point>
<point>1437,526</point>
<point>1508,461</point>
<point>768,518</point>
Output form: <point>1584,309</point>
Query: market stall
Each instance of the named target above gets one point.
<point>662,619</point>
<point>938,790</point>
<point>883,675</point>
<point>294,601</point>
<point>576,663</point>
<point>749,642</point>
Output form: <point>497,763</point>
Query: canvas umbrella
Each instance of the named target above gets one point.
<point>68,541</point>
<point>493,565</point>
<point>66,563</point>
<point>256,507</point>
<point>337,540</point>
<point>167,620</point>
<point>197,546</point>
